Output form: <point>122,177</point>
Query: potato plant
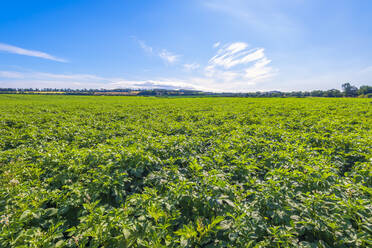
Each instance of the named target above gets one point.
<point>88,171</point>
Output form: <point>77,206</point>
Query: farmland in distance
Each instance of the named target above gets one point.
<point>104,171</point>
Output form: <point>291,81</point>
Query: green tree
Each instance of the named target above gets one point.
<point>364,90</point>
<point>332,93</point>
<point>350,90</point>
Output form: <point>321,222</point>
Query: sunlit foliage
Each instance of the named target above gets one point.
<point>85,171</point>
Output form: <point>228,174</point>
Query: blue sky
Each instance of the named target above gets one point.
<point>216,45</point>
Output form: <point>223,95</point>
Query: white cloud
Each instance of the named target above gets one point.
<point>191,67</point>
<point>10,74</point>
<point>168,56</point>
<point>236,66</point>
<point>164,54</point>
<point>171,84</point>
<point>268,17</point>
<point>32,53</point>
<point>259,70</point>
<point>145,47</point>
<point>366,70</point>
<point>14,79</point>
<point>31,79</point>
<point>217,44</point>
<point>236,54</point>
<point>148,49</point>
<point>81,77</point>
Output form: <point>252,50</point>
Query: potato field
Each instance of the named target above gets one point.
<point>106,171</point>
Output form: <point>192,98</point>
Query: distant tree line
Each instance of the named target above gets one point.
<point>348,90</point>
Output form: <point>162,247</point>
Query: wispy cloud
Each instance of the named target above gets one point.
<point>10,74</point>
<point>235,67</point>
<point>236,54</point>
<point>191,67</point>
<point>366,70</point>
<point>268,17</point>
<point>168,57</point>
<point>170,84</point>
<point>145,47</point>
<point>32,53</point>
<point>27,79</point>
<point>236,63</point>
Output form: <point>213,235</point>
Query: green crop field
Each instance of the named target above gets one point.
<point>103,171</point>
